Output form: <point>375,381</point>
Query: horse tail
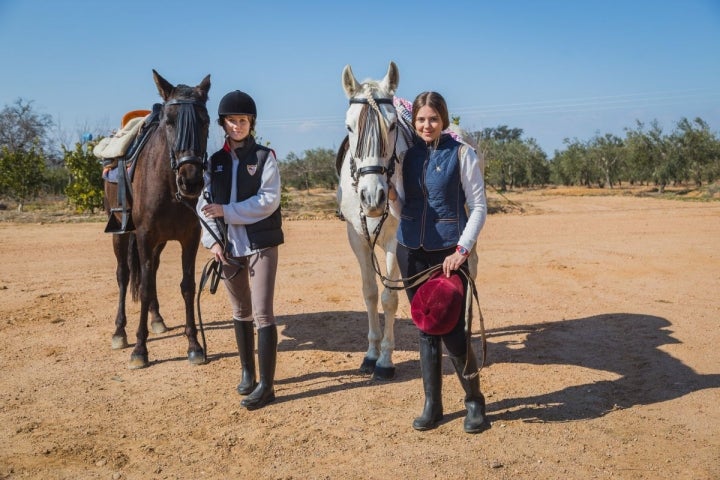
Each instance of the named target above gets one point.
<point>134,265</point>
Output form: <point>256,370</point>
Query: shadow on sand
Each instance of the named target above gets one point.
<point>625,344</point>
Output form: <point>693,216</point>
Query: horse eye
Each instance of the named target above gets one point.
<point>349,128</point>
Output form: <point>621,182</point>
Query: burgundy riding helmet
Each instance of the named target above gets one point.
<point>437,304</point>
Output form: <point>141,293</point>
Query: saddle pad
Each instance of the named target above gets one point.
<point>116,145</point>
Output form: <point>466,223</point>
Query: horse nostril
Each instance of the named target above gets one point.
<point>381,197</point>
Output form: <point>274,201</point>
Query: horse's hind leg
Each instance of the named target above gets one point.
<point>147,292</point>
<point>157,323</point>
<point>122,274</point>
<point>196,354</point>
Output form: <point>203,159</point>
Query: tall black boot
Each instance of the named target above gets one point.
<point>264,393</point>
<point>431,369</point>
<point>245,338</point>
<point>475,421</point>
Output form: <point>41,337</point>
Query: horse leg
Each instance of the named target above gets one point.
<point>370,295</point>
<point>122,274</point>
<point>196,354</point>
<point>139,355</point>
<point>385,369</point>
<point>157,323</point>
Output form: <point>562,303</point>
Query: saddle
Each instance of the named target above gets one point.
<point>119,153</point>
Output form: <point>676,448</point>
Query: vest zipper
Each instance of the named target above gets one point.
<point>425,197</point>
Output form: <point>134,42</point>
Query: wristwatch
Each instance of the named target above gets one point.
<point>462,251</point>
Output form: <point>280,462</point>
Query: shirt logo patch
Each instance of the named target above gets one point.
<point>252,169</point>
<point>218,169</point>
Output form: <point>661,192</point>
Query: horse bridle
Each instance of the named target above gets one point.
<point>355,172</point>
<point>175,164</point>
<point>388,171</point>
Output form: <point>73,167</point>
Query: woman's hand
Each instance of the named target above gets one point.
<point>217,251</point>
<point>453,262</point>
<point>213,210</point>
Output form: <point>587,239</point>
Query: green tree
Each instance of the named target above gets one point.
<point>496,146</point>
<point>21,174</point>
<point>654,154</point>
<point>606,153</point>
<point>536,168</point>
<point>85,190</point>
<point>574,165</point>
<point>315,169</point>
<point>699,150</point>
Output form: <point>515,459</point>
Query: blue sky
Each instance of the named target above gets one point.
<point>556,68</point>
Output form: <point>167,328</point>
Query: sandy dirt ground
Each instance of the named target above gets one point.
<point>602,318</point>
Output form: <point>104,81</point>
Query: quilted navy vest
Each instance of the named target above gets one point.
<point>433,215</point>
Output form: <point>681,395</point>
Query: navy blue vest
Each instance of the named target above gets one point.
<point>433,215</point>
<point>266,232</point>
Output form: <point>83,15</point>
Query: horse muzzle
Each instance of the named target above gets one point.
<point>373,199</point>
<point>189,176</point>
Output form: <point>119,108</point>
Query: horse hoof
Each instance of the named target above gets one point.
<point>119,342</point>
<point>138,361</point>
<point>197,358</point>
<point>158,327</point>
<point>384,373</point>
<point>368,365</point>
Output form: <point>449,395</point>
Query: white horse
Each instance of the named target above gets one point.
<point>379,134</point>
<point>369,156</point>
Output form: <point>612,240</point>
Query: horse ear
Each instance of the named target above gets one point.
<point>392,79</point>
<point>204,87</point>
<point>350,85</point>
<point>164,87</point>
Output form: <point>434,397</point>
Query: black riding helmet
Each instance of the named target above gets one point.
<point>237,103</point>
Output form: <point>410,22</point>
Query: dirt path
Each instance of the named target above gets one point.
<point>602,316</point>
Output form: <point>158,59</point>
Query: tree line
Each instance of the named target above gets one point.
<point>31,164</point>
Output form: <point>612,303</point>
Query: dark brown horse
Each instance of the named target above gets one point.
<point>167,181</point>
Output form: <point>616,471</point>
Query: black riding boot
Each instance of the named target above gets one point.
<point>245,337</point>
<point>264,393</point>
<point>431,369</point>
<point>475,421</point>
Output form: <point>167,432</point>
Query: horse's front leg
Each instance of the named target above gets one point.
<point>196,354</point>
<point>385,369</point>
<point>122,274</point>
<point>370,295</point>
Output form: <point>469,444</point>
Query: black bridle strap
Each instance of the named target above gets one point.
<point>386,101</point>
<point>372,170</point>
<point>178,101</point>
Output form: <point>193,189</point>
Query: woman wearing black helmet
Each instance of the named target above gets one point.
<point>241,204</point>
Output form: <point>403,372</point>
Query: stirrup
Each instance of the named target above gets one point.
<point>119,227</point>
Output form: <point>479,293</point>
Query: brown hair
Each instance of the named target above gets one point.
<point>435,101</point>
